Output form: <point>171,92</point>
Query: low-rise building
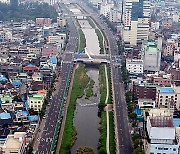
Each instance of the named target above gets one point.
<point>36,101</point>
<point>134,66</point>
<point>61,21</point>
<point>167,97</point>
<point>143,91</point>
<point>15,143</point>
<point>105,8</point>
<point>162,136</point>
<point>146,103</point>
<point>43,21</point>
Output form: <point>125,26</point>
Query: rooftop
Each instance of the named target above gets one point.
<point>160,112</point>
<point>53,60</point>
<point>162,133</point>
<point>151,47</point>
<point>5,115</point>
<point>22,74</point>
<point>166,90</point>
<point>160,121</point>
<point>37,97</point>
<point>14,141</point>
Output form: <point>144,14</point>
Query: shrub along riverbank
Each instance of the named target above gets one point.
<point>80,82</point>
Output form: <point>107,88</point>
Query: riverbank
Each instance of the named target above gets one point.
<point>82,43</point>
<point>103,115</point>
<point>103,123</point>
<point>81,80</point>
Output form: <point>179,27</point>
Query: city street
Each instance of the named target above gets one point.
<point>52,116</point>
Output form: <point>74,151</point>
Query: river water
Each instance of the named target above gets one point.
<point>86,118</point>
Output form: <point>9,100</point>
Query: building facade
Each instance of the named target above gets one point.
<point>167,97</point>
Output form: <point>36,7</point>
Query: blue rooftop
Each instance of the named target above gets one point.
<point>16,83</point>
<point>53,60</point>
<point>21,113</point>
<point>138,112</point>
<point>30,65</point>
<point>176,122</point>
<point>33,118</point>
<point>166,90</point>
<point>2,78</point>
<point>5,115</point>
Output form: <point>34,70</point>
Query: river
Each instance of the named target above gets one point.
<point>86,120</point>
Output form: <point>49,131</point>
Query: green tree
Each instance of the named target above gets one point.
<point>133,116</point>
<point>136,136</point>
<point>30,149</point>
<point>147,113</point>
<point>137,143</point>
<point>138,151</point>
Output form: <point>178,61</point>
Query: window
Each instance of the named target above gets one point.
<point>174,149</point>
<point>160,148</point>
<point>165,148</point>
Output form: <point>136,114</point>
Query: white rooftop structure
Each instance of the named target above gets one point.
<point>160,112</point>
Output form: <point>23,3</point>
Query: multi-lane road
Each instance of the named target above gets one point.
<point>124,145</point>
<point>53,112</point>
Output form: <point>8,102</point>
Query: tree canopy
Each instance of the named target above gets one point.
<point>28,11</point>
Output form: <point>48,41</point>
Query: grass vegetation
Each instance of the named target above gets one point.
<point>89,89</point>
<point>82,40</point>
<point>102,81</point>
<point>103,122</point>
<point>91,22</point>
<point>103,133</point>
<point>80,82</point>
<point>110,84</point>
<point>85,150</point>
<point>112,144</point>
<point>100,38</point>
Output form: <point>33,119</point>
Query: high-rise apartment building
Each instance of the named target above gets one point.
<point>136,21</point>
